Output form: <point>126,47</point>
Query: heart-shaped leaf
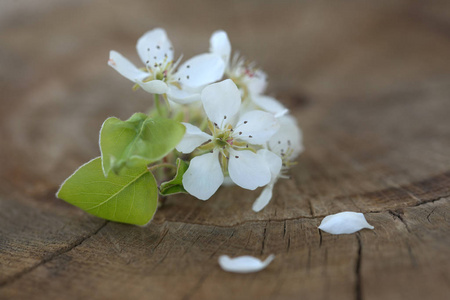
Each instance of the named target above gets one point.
<point>131,197</point>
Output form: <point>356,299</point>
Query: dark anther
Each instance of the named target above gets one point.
<point>188,66</point>
<point>187,76</point>
<point>240,132</point>
<point>237,156</point>
<point>250,136</point>
<point>157,47</point>
<point>279,142</point>
<point>148,49</point>
<point>245,122</point>
<point>215,124</point>
<point>224,117</point>
<point>154,57</point>
<point>148,61</point>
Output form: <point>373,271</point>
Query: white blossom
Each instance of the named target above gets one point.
<point>251,80</point>
<point>161,75</point>
<point>287,144</point>
<point>230,146</point>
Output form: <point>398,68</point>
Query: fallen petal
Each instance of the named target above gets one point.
<point>344,223</point>
<point>244,264</point>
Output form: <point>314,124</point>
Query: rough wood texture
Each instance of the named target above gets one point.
<point>369,82</point>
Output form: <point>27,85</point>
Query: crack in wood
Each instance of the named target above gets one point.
<point>52,256</point>
<point>387,209</point>
<point>358,284</point>
<point>398,214</point>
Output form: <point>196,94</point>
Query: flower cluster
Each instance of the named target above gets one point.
<point>237,134</point>
<point>211,125</point>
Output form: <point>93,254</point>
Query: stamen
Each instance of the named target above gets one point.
<point>240,132</point>
<point>188,66</point>
<point>250,136</point>
<point>245,122</point>
<point>187,76</point>
<point>236,156</point>
<point>157,47</point>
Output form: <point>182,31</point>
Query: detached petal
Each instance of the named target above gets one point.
<point>257,127</point>
<point>220,44</point>
<point>154,86</point>
<point>201,70</point>
<point>268,104</point>
<point>204,176</point>
<point>221,101</point>
<point>264,198</point>
<point>193,138</point>
<point>183,96</point>
<point>344,223</point>
<point>155,47</point>
<point>125,67</point>
<point>244,264</point>
<point>248,169</point>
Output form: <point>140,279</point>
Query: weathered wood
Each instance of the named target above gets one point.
<point>369,83</point>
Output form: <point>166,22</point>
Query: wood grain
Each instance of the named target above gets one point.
<point>369,83</point>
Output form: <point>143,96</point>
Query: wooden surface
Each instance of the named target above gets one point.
<point>369,82</point>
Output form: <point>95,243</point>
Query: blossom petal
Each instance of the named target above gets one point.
<point>204,176</point>
<point>272,160</point>
<point>125,67</point>
<point>268,104</point>
<point>264,198</point>
<point>244,264</point>
<point>193,138</point>
<point>288,139</point>
<point>154,86</point>
<point>257,83</point>
<point>248,169</point>
<point>344,223</point>
<point>154,47</point>
<point>257,127</point>
<point>220,44</point>
<point>201,70</point>
<point>183,96</point>
<point>221,100</point>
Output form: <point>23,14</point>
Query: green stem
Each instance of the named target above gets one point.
<point>158,105</point>
<point>162,165</point>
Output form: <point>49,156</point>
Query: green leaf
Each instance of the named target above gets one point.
<point>130,198</point>
<point>138,141</point>
<point>175,185</point>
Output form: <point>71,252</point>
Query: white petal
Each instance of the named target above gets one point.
<point>228,182</point>
<point>221,100</point>
<point>183,96</point>
<point>288,139</point>
<point>154,86</point>
<point>125,67</point>
<point>201,70</point>
<point>272,160</point>
<point>257,83</point>
<point>193,138</point>
<point>248,169</point>
<point>344,223</point>
<point>204,176</point>
<point>264,198</point>
<point>154,46</point>
<point>268,104</point>
<point>257,127</point>
<point>220,44</point>
<point>244,264</point>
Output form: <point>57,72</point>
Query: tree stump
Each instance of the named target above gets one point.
<point>369,83</point>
